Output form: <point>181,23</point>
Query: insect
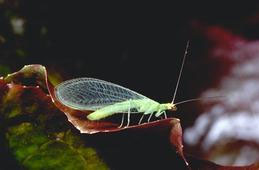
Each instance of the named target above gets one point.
<point>106,99</point>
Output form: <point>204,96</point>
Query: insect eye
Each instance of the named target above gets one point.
<point>172,107</point>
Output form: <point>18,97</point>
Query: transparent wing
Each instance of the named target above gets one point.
<point>92,94</point>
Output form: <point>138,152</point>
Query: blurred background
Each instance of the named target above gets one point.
<point>140,46</point>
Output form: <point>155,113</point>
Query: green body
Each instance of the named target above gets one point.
<point>146,106</point>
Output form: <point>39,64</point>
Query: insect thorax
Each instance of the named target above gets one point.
<point>142,105</point>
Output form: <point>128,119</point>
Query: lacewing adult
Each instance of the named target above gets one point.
<point>106,99</point>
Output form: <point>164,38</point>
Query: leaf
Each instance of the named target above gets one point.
<point>199,164</point>
<point>37,133</point>
<point>39,137</point>
<point>194,163</point>
<point>176,136</point>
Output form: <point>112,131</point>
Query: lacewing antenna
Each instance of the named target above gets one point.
<point>197,99</point>
<point>181,70</point>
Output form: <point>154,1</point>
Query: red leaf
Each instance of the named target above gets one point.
<point>176,138</point>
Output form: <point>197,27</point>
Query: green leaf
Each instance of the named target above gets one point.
<point>38,135</point>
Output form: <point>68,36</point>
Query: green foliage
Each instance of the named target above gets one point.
<point>35,150</point>
<point>36,141</point>
<point>4,70</point>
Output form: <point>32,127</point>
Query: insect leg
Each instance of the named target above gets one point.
<point>149,117</point>
<point>141,119</point>
<point>165,114</point>
<point>159,113</point>
<point>122,120</point>
<point>128,116</point>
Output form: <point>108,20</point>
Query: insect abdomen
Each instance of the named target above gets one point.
<point>108,111</point>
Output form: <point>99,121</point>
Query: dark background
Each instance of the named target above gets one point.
<point>137,45</point>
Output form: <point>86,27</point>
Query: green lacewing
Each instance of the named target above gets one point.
<point>106,99</point>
